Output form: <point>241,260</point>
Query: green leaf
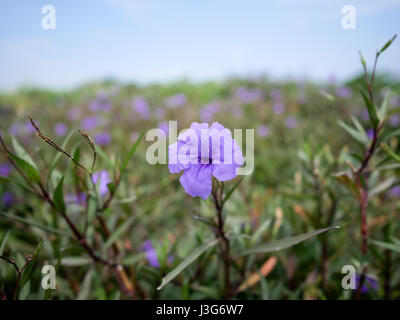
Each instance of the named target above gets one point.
<point>187,261</point>
<point>4,241</point>
<point>133,258</point>
<point>130,154</point>
<point>84,290</point>
<point>281,244</point>
<point>35,224</point>
<point>228,195</point>
<point>119,232</point>
<point>58,196</point>
<point>390,152</point>
<point>21,152</point>
<point>345,179</point>
<point>30,171</point>
<point>387,44</point>
<point>75,261</point>
<point>392,134</point>
<point>373,115</point>
<point>26,274</point>
<point>59,154</point>
<point>386,245</point>
<point>23,186</point>
<point>104,156</point>
<point>359,136</point>
<point>386,184</point>
<point>384,108</point>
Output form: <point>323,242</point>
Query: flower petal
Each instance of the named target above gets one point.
<point>224,172</point>
<point>196,180</point>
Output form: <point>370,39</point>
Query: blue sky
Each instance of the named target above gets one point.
<point>166,40</point>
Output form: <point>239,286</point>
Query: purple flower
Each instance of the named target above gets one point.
<point>175,101</point>
<point>134,136</point>
<point>276,95</point>
<point>291,122</point>
<point>79,198</point>
<point>164,126</point>
<point>5,169</point>
<point>237,112</point>
<point>60,129</point>
<point>8,198</point>
<point>249,95</point>
<point>74,114</point>
<point>365,115</point>
<point>394,101</point>
<point>90,123</point>
<point>278,108</point>
<point>14,129</point>
<point>159,113</point>
<point>369,283</point>
<point>101,103</point>
<point>370,134</point>
<point>201,153</point>
<point>141,107</point>
<point>263,130</point>
<point>209,110</point>
<point>102,139</point>
<point>29,127</point>
<point>395,191</point>
<point>151,254</point>
<point>103,179</point>
<point>394,120</point>
<point>344,92</point>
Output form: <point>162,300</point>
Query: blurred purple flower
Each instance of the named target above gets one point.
<point>263,130</point>
<point>344,92</point>
<point>164,126</point>
<point>103,179</point>
<point>100,104</point>
<point>209,110</point>
<point>365,115</point>
<point>195,155</point>
<point>8,198</point>
<point>278,108</point>
<point>90,123</point>
<point>394,120</point>
<point>14,129</point>
<point>249,95</point>
<point>5,169</point>
<point>60,129</point>
<point>79,198</point>
<point>102,139</point>
<point>141,107</point>
<point>369,283</point>
<point>74,114</point>
<point>291,122</point>
<point>29,127</point>
<point>175,101</point>
<point>151,253</point>
<point>394,101</point>
<point>395,191</point>
<point>370,134</point>
<point>159,113</point>
<point>276,95</point>
<point>134,136</point>
<point>237,112</point>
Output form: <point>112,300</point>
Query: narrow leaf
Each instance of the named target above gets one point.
<point>131,153</point>
<point>387,245</point>
<point>187,261</point>
<point>286,242</point>
<point>119,232</point>
<point>373,115</point>
<point>58,196</point>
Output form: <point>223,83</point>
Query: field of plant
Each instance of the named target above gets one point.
<point>318,218</point>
